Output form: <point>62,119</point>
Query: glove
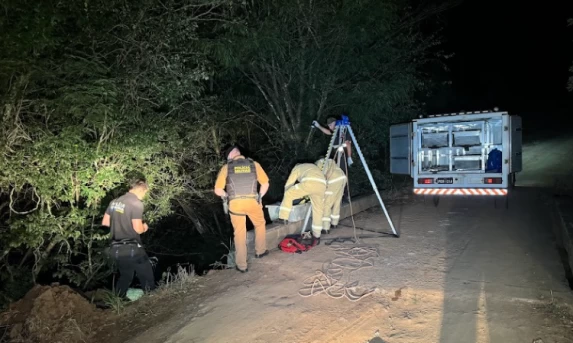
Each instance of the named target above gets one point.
<point>259,198</point>
<point>349,161</point>
<point>315,124</point>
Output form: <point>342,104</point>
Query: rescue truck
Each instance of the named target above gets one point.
<point>467,153</point>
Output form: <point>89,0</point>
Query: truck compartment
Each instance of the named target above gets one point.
<point>467,138</point>
<point>468,162</point>
<point>435,140</point>
<point>458,146</point>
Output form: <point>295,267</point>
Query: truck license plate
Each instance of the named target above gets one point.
<point>445,180</point>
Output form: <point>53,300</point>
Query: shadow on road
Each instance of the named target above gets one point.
<point>497,258</point>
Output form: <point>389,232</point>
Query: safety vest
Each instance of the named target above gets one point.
<point>241,179</point>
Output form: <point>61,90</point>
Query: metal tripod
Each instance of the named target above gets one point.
<point>343,126</point>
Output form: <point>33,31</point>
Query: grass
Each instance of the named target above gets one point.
<point>113,301</point>
<point>182,278</point>
<point>230,255</point>
<point>178,286</point>
<point>171,283</point>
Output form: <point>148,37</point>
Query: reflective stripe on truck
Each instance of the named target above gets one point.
<point>461,191</point>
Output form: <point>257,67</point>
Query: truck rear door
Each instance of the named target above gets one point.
<point>401,149</point>
<point>515,162</point>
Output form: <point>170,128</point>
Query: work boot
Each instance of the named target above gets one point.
<point>325,232</point>
<point>333,227</point>
<point>262,255</point>
<point>241,270</point>
<point>315,241</point>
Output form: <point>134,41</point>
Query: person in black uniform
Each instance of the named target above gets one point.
<point>124,216</point>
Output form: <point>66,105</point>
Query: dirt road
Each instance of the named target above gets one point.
<point>462,272</point>
<point>548,163</point>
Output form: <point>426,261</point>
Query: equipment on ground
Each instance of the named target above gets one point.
<point>467,153</point>
<point>343,126</point>
<point>294,244</point>
<point>134,294</point>
<point>346,239</point>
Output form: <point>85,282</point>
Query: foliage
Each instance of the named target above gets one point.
<point>297,61</point>
<point>93,92</point>
<point>113,301</point>
<point>229,257</point>
<point>15,284</point>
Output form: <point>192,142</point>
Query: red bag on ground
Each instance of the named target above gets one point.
<point>291,245</point>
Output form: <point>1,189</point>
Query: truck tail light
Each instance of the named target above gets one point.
<point>492,180</point>
<point>425,181</point>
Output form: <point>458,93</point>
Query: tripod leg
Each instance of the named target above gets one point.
<point>371,179</point>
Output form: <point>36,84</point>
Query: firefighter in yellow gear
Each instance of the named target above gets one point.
<point>237,184</point>
<point>311,183</point>
<point>335,184</point>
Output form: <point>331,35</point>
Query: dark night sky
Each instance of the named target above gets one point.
<point>510,54</point>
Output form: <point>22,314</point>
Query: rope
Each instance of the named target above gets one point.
<point>335,279</point>
<point>350,204</point>
<point>331,280</point>
<point>337,155</point>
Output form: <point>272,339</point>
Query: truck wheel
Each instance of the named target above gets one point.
<point>511,180</point>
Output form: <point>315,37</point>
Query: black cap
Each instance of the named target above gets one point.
<point>228,150</point>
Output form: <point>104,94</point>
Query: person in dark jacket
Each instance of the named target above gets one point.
<point>124,216</point>
<point>343,148</point>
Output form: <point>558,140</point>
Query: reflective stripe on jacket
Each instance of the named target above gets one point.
<point>305,172</point>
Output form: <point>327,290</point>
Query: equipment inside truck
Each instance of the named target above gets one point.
<point>460,146</point>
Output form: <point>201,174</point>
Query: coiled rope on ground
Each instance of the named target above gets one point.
<point>335,280</point>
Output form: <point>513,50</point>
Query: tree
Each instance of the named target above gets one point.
<point>298,61</point>
<point>91,93</point>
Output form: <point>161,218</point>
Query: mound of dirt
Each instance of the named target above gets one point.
<point>52,314</point>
